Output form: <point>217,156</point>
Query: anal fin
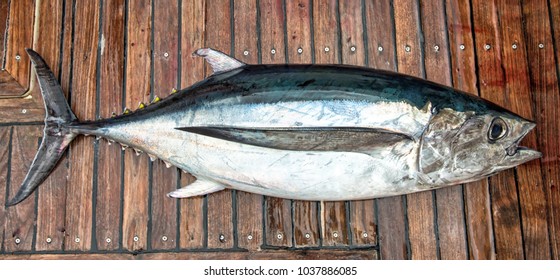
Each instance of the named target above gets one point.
<point>199,187</point>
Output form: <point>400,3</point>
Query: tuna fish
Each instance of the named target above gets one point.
<point>307,132</point>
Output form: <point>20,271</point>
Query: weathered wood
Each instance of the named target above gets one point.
<point>20,219</point>
<point>479,221</point>
<point>278,218</point>
<point>79,200</point>
<point>164,180</point>
<point>249,206</point>
<point>5,135</point>
<point>220,208</point>
<point>191,226</point>
<point>298,28</point>
<point>136,187</point>
<point>4,7</point>
<point>544,85</point>
<point>492,78</point>
<point>380,28</point>
<point>420,206</point>
<point>21,16</point>
<point>449,201</point>
<point>52,193</point>
<point>108,206</point>
<point>252,255</point>
<point>8,85</point>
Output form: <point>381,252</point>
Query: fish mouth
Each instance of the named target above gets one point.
<point>520,154</point>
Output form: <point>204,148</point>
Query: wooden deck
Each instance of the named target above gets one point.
<point>104,203</point>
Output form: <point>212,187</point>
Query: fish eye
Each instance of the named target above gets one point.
<point>498,129</point>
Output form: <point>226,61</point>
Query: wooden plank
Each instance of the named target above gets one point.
<point>298,28</point>
<point>20,22</point>
<point>278,219</point>
<point>249,206</point>
<point>136,191</point>
<point>534,227</point>
<point>449,201</point>
<point>164,180</point>
<point>5,135</point>
<point>4,8</point>
<point>392,242</point>
<point>544,85</point>
<point>476,197</point>
<point>220,208</point>
<point>420,206</point>
<point>334,229</point>
<point>250,255</point>
<point>191,231</point>
<point>8,85</point>
<point>80,183</point>
<point>20,219</point>
<point>108,206</point>
<point>507,231</point>
<point>52,193</point>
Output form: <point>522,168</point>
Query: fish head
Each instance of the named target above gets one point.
<point>460,147</point>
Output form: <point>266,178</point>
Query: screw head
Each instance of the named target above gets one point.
<point>307,235</point>
<point>24,111</point>
<point>222,238</point>
<point>407,48</point>
<point>279,235</point>
<point>462,47</point>
<point>249,237</point>
<point>514,46</point>
<point>541,46</point>
<point>17,240</point>
<point>273,51</point>
<point>108,240</point>
<point>364,235</point>
<point>327,49</point>
<point>245,53</point>
<point>487,46</point>
<point>299,50</point>
<point>135,238</point>
<point>166,54</point>
<point>18,57</point>
<point>164,238</point>
<point>77,240</point>
<point>335,234</point>
<point>436,48</point>
<point>353,48</point>
<point>380,48</point>
<point>49,240</point>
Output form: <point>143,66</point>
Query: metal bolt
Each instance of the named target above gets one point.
<point>514,46</point>
<point>335,234</point>
<point>327,49</point>
<point>77,240</point>
<point>462,47</point>
<point>222,238</point>
<point>17,240</point>
<point>165,54</point>
<point>135,238</point>
<point>380,48</point>
<point>49,240</point>
<point>164,238</point>
<point>487,46</point>
<point>407,48</point>
<point>24,111</point>
<point>436,48</point>
<point>279,235</point>
<point>18,57</point>
<point>245,53</point>
<point>273,51</point>
<point>353,48</point>
<point>108,240</point>
<point>249,237</point>
<point>299,50</point>
<point>541,46</point>
<point>364,235</point>
<point>307,235</point>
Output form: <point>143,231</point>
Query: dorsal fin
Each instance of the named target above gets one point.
<point>219,61</point>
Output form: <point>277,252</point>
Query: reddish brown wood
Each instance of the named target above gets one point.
<point>380,35</point>
<point>8,85</point>
<point>135,196</point>
<point>52,193</point>
<point>20,219</point>
<point>164,180</point>
<point>220,208</point>
<point>191,225</point>
<point>544,85</point>
<point>109,166</point>
<point>80,182</point>
<point>5,135</point>
<point>21,17</point>
<point>249,206</point>
<point>278,219</point>
<point>4,7</point>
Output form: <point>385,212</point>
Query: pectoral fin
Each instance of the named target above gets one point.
<point>199,187</point>
<point>219,61</point>
<point>344,139</point>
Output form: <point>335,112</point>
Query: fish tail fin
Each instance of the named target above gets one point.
<point>56,135</point>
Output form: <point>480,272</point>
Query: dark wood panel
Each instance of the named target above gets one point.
<point>5,136</point>
<point>220,205</point>
<point>164,180</point>
<point>192,220</point>
<point>21,16</point>
<point>138,86</point>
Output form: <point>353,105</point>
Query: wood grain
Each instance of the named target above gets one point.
<point>249,206</point>
<point>220,207</point>
<point>79,200</point>
<point>136,168</point>
<point>298,32</point>
<point>278,217</point>
<point>192,219</point>
<point>5,136</point>
<point>52,193</point>
<point>21,16</point>
<point>449,200</point>
<point>4,8</point>
<point>164,180</point>
<point>19,221</point>
<point>544,84</point>
<point>109,165</point>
